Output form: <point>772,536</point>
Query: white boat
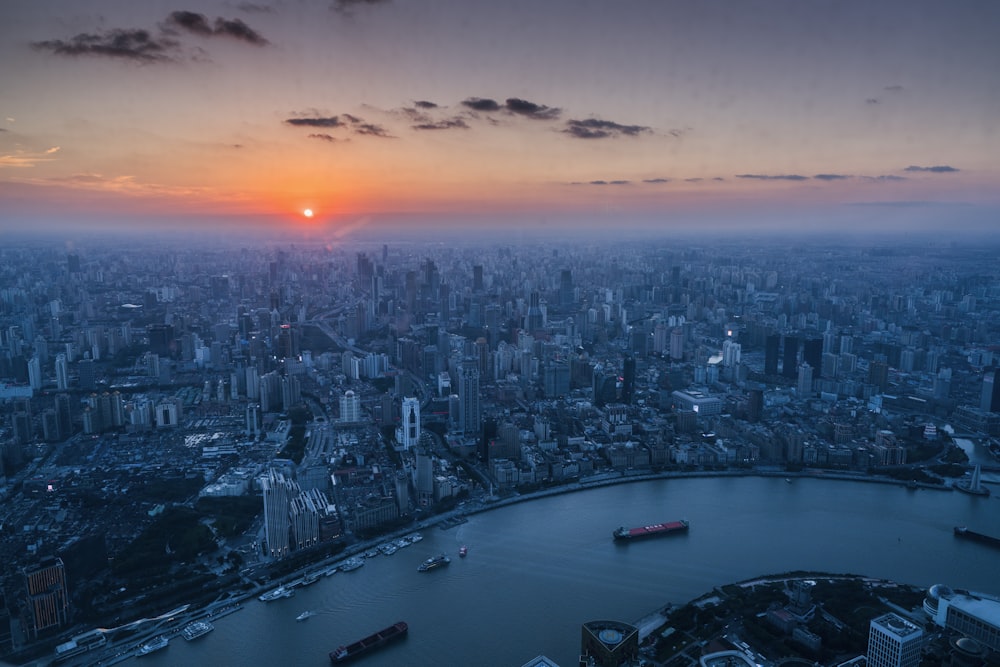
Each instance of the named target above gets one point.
<point>279,592</point>
<point>415,537</point>
<point>304,615</point>
<point>352,563</point>
<point>197,629</point>
<point>154,644</point>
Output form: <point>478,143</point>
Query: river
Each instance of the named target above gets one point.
<point>537,570</point>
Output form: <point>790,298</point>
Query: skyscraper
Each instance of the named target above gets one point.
<point>893,642</point>
<point>35,373</point>
<point>791,357</point>
<point>278,491</point>
<point>989,400</point>
<point>771,345</point>
<point>468,396</point>
<point>409,430</point>
<point>628,380</point>
<point>62,372</point>
<point>805,380</point>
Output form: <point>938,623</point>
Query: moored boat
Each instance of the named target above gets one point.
<point>434,562</point>
<point>352,563</point>
<point>370,643</point>
<point>279,592</point>
<point>154,644</point>
<point>669,528</point>
<point>197,629</point>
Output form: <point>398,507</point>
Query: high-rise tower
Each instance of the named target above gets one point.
<point>893,642</point>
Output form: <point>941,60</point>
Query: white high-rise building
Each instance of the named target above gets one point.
<point>62,372</point>
<point>278,493</point>
<point>350,407</point>
<point>894,641</point>
<point>409,430</point>
<point>35,373</point>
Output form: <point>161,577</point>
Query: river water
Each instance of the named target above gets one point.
<point>537,570</point>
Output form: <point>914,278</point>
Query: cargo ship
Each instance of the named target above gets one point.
<point>370,643</point>
<point>197,629</point>
<point>962,531</point>
<point>654,530</point>
<point>434,562</point>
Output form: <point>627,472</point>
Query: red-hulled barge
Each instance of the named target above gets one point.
<point>669,528</point>
<point>370,643</point>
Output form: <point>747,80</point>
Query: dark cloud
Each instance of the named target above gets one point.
<point>371,130</point>
<point>893,89</point>
<point>530,109</point>
<point>656,180</point>
<point>886,177</point>
<point>693,180</point>
<point>481,104</point>
<point>937,169</point>
<point>239,30</point>
<point>329,121</point>
<point>779,177</point>
<point>323,137</point>
<point>598,182</point>
<point>595,128</point>
<point>199,24</point>
<point>718,178</point>
<point>447,124</point>
<point>424,104</point>
<point>347,6</point>
<point>254,8</point>
<point>872,100</point>
<point>352,119</point>
<point>192,22</point>
<point>831,177</point>
<point>619,182</point>
<point>138,45</point>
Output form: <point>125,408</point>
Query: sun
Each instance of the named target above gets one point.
<point>308,212</point>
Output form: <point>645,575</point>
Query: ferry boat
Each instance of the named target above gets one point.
<point>154,644</point>
<point>197,629</point>
<point>304,615</point>
<point>279,592</point>
<point>372,642</point>
<point>669,528</point>
<point>463,551</point>
<point>434,562</point>
<point>352,563</point>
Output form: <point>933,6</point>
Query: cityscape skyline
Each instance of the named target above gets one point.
<point>411,115</point>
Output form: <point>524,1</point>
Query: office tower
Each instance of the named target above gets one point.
<point>942,384</point>
<point>791,357</point>
<point>278,492</point>
<point>660,338</point>
<point>350,407</point>
<point>566,288</point>
<point>73,263</point>
<point>50,425</point>
<point>731,353</point>
<point>628,380</point>
<point>677,344</point>
<point>771,345</point>
<point>161,339</point>
<point>470,419</point>
<point>556,379</point>
<point>533,322</point>
<point>755,405</point>
<point>291,392</point>
<point>878,374</point>
<point>409,430</point>
<point>609,644</point>
<point>805,380</point>
<point>64,415</point>
<point>477,278</point>
<point>423,478</point>
<point>48,597</point>
<point>62,372</point>
<point>253,420</point>
<point>87,373</point>
<point>893,642</point>
<point>35,373</point>
<point>989,400</point>
<point>812,353</point>
<point>831,363</point>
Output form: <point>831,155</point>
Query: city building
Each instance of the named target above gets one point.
<point>408,434</point>
<point>350,407</point>
<point>609,644</point>
<point>972,614</point>
<point>48,597</point>
<point>278,492</point>
<point>894,641</point>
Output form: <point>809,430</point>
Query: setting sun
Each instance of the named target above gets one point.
<point>308,213</point>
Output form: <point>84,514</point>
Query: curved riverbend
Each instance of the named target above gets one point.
<point>536,571</point>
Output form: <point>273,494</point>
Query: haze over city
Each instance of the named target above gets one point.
<point>655,115</point>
